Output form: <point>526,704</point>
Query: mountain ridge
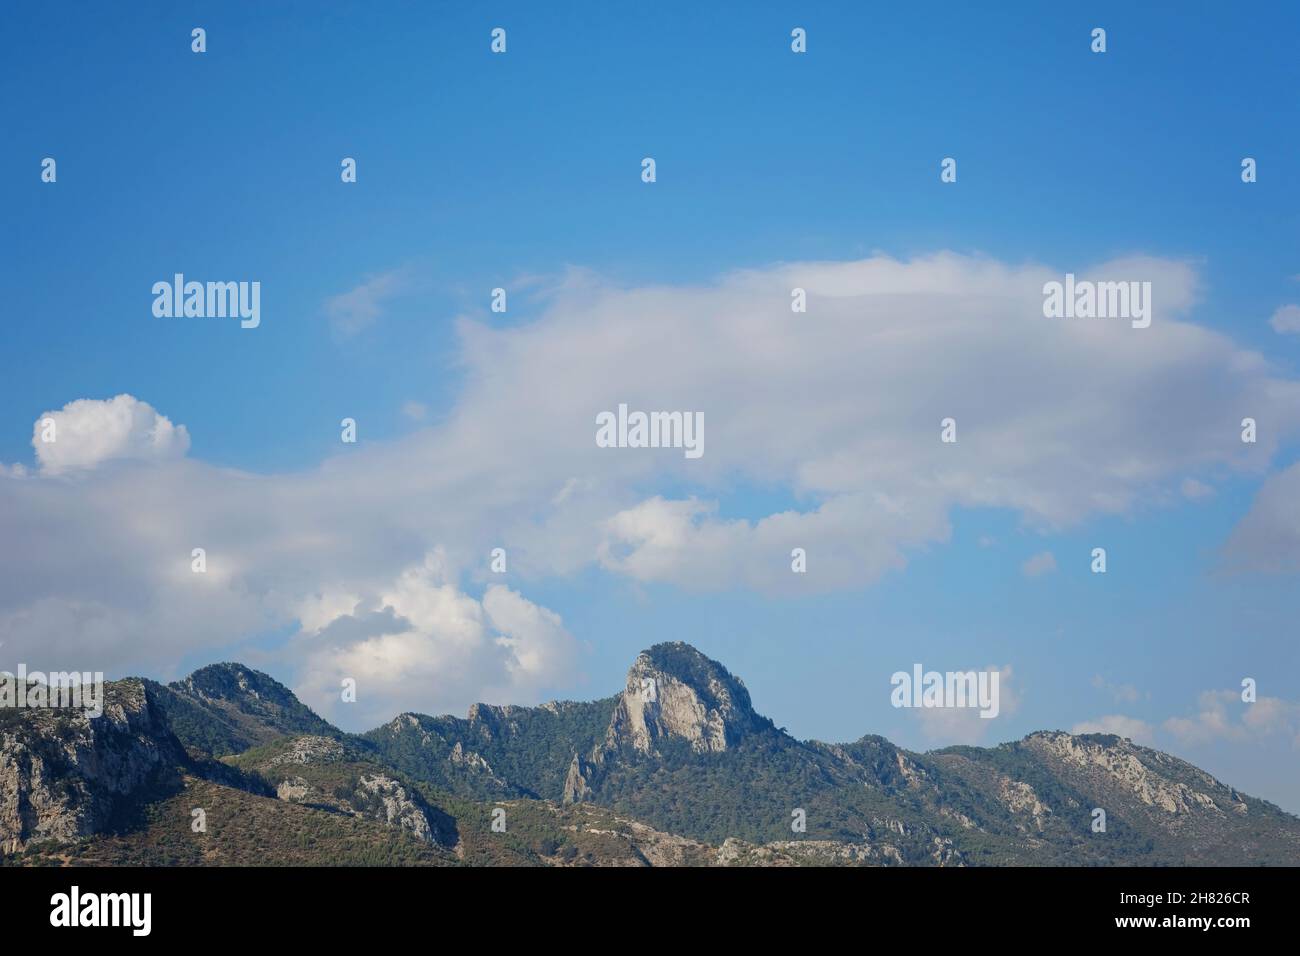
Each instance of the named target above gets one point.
<point>679,766</point>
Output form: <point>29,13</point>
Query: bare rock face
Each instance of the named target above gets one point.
<point>1021,798</point>
<point>1154,779</point>
<point>674,691</point>
<point>309,749</point>
<point>912,773</point>
<point>63,773</point>
<point>492,721</point>
<point>576,785</point>
<point>293,790</point>
<point>396,806</point>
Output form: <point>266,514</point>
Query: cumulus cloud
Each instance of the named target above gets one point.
<point>422,640</point>
<point>839,409</point>
<point>89,432</point>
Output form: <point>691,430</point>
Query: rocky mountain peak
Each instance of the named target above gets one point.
<point>226,708</point>
<point>672,690</point>
<point>235,682</point>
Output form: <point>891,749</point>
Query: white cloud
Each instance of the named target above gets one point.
<point>1124,693</point>
<point>1139,731</point>
<point>1268,537</point>
<point>838,409</point>
<point>1286,319</point>
<point>89,432</point>
<point>847,540</point>
<point>357,309</point>
<point>1222,715</point>
<point>422,644</point>
<point>1042,563</point>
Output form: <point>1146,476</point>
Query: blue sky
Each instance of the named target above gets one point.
<point>522,171</point>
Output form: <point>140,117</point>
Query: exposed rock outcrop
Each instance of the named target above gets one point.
<point>673,690</point>
<point>577,787</point>
<point>1020,798</point>
<point>326,773</point>
<point>63,773</point>
<point>397,807</point>
<point>309,750</point>
<point>1120,763</point>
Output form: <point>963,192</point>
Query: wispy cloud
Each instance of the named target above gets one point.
<point>357,309</point>
<point>1286,319</point>
<point>1042,563</point>
<point>1134,729</point>
<point>1222,715</point>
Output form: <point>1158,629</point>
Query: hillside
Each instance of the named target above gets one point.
<point>676,769</point>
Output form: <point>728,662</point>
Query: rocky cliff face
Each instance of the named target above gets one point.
<point>63,773</point>
<point>396,805</point>
<point>576,783</point>
<point>1154,779</point>
<point>674,691</point>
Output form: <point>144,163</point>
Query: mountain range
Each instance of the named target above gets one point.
<point>228,767</point>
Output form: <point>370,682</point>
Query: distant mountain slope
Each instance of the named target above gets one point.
<point>227,708</point>
<point>243,829</point>
<point>496,751</point>
<point>682,749</point>
<point>677,769</point>
<point>339,776</point>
